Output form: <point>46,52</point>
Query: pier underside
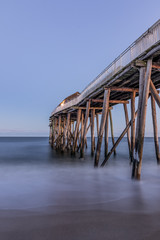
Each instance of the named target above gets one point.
<point>139,78</point>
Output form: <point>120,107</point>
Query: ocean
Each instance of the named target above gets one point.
<point>62,194</point>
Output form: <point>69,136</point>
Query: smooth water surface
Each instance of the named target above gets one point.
<point>34,176</point>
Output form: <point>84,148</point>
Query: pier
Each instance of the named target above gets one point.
<point>134,74</point>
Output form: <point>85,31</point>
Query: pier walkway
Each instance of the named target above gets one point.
<point>135,73</point>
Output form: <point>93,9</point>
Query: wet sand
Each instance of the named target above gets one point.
<point>93,224</point>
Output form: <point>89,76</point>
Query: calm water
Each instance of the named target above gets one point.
<point>33,176</point>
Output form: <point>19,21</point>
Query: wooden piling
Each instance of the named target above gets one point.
<point>76,131</point>
<point>103,120</point>
<point>84,130</point>
<point>66,131</point>
<point>155,129</point>
<point>143,116</point>
<point>133,94</point>
<point>128,132</point>
<point>92,132</point>
<point>106,136</point>
<point>97,123</point>
<point>111,126</point>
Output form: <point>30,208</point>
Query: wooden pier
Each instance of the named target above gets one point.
<point>134,74</point>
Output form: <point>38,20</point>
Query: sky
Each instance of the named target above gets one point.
<point>50,49</point>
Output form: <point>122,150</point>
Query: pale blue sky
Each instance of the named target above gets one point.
<point>51,49</point>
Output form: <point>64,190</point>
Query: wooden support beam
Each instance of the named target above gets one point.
<point>103,120</point>
<point>156,65</point>
<point>155,129</point>
<point>82,127</point>
<point>123,89</point>
<point>92,132</point>
<point>117,142</point>
<point>59,131</point>
<point>110,101</point>
<point>84,108</point>
<point>76,131</point>
<point>155,93</point>
<point>143,119</point>
<point>69,135</point>
<point>85,130</point>
<point>128,132</point>
<point>142,73</point>
<point>106,135</point>
<point>140,63</point>
<point>53,131</point>
<point>66,131</point>
<point>111,125</point>
<point>63,128</point>
<point>132,125</point>
<point>97,123</point>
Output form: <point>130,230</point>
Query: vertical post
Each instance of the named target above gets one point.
<point>106,136</point>
<point>76,131</point>
<point>50,132</point>
<point>155,129</point>
<point>63,132</point>
<point>128,132</point>
<point>59,131</point>
<point>66,131</point>
<point>92,132</point>
<point>53,132</point>
<point>69,135</point>
<point>97,122</point>
<point>142,73</point>
<point>82,127</point>
<point>111,124</point>
<point>133,94</point>
<point>103,120</point>
<point>143,117</point>
<point>85,130</point>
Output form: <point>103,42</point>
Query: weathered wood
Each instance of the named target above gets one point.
<point>123,89</point>
<point>106,135</point>
<point>103,120</point>
<point>142,73</point>
<point>117,142</point>
<point>140,63</point>
<point>110,101</point>
<point>59,132</point>
<point>156,65</point>
<point>128,132</point>
<point>132,125</point>
<point>85,129</point>
<point>111,126</point>
<point>97,123</point>
<point>143,116</point>
<point>155,93</point>
<point>66,131</point>
<point>82,127</point>
<point>63,130</point>
<point>53,131</point>
<point>50,133</point>
<point>84,108</point>
<point>69,134</point>
<point>76,130</point>
<point>155,129</point>
<point>92,132</point>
